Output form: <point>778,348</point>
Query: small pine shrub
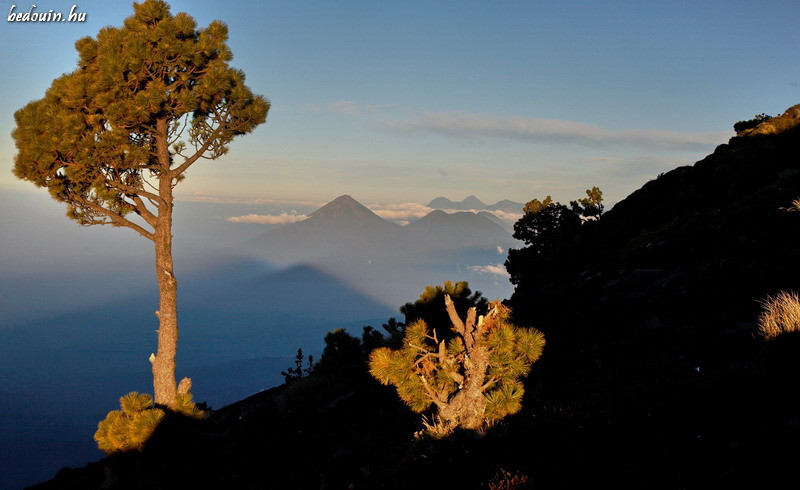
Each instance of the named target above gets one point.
<point>781,315</point>
<point>186,406</point>
<point>473,379</point>
<point>130,428</point>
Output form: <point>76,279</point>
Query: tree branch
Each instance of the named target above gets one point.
<point>434,396</point>
<point>114,217</point>
<point>458,325</point>
<point>129,189</point>
<point>489,383</point>
<point>142,211</point>
<point>189,161</point>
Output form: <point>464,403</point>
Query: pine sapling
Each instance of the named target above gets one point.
<point>472,379</point>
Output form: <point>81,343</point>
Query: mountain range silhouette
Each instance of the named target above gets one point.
<point>344,228</point>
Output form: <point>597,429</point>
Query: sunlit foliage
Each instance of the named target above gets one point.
<point>130,428</point>
<point>472,379</point>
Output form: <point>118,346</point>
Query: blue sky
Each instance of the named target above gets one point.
<point>404,101</point>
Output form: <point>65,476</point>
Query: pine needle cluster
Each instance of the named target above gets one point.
<point>473,378</point>
<point>130,428</point>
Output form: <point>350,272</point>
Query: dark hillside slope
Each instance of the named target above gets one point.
<point>713,236</point>
<point>653,376</point>
<point>652,326</point>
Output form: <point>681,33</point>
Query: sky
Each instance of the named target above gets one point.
<point>395,102</point>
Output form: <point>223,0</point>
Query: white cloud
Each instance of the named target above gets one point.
<point>494,269</point>
<point>268,219</point>
<point>472,125</point>
<point>507,217</point>
<point>400,211</point>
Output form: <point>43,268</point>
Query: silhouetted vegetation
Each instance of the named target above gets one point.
<point>551,232</point>
<point>298,371</point>
<point>743,126</point>
<point>430,306</point>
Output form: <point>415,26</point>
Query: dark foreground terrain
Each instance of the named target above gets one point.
<point>654,375</point>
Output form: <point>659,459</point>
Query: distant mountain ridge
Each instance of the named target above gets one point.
<point>345,209</point>
<point>345,227</point>
<point>473,203</point>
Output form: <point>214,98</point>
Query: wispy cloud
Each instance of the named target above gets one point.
<point>483,126</point>
<point>493,269</point>
<point>472,125</point>
<point>268,219</point>
<point>347,107</point>
<point>198,197</point>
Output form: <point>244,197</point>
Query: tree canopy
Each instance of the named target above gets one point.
<point>147,100</point>
<point>550,230</point>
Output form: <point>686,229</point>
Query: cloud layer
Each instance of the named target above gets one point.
<point>268,219</point>
<point>405,211</point>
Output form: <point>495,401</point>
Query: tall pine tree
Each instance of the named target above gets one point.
<point>116,135</point>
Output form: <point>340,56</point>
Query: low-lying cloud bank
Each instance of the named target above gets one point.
<point>405,211</point>
<point>268,219</point>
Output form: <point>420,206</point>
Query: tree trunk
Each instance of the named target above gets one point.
<point>164,384</point>
<point>467,408</point>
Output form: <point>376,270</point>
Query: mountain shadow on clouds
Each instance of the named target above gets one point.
<point>241,322</point>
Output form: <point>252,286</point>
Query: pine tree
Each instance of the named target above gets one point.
<point>114,137</point>
<point>473,378</point>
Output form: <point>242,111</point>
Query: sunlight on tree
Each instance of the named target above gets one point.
<point>115,136</point>
<point>473,379</point>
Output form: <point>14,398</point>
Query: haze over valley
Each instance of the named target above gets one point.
<point>251,294</point>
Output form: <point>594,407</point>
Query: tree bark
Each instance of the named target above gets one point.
<point>467,408</point>
<point>164,385</point>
